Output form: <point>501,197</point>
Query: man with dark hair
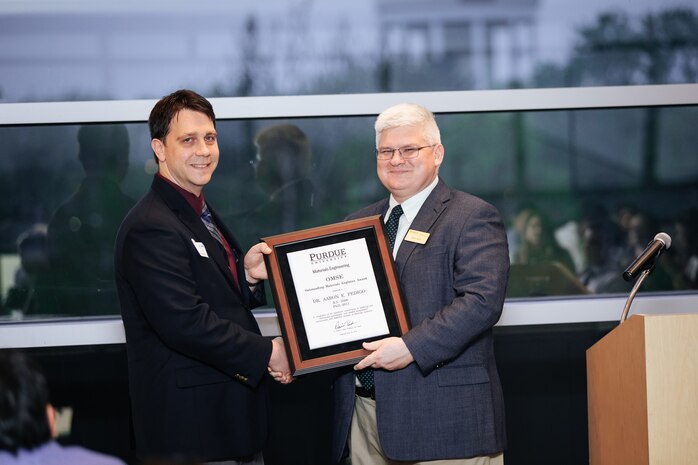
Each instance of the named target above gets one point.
<point>27,419</point>
<point>197,361</point>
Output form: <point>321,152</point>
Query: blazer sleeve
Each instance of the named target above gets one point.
<point>474,295</point>
<point>159,260</point>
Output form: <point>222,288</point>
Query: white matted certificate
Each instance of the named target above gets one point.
<point>338,295</point>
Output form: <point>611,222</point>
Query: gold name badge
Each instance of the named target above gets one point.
<point>417,236</point>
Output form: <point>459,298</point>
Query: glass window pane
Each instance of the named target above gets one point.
<point>582,192</point>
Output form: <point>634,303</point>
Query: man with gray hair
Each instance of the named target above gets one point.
<point>434,393</point>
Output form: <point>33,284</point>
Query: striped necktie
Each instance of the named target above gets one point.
<point>365,376</point>
<point>210,225</point>
<point>207,219</point>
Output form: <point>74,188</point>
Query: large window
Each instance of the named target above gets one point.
<point>582,191</point>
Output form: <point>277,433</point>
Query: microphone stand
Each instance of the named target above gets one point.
<point>665,241</point>
<point>636,287</point>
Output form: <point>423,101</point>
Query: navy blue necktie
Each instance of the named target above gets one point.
<point>365,376</point>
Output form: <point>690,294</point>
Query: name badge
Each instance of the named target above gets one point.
<point>418,237</point>
<point>200,248</point>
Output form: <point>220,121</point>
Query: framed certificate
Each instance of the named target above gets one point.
<point>334,287</point>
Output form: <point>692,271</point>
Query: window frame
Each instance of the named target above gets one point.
<point>518,312</point>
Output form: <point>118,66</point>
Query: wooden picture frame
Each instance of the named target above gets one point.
<point>335,287</point>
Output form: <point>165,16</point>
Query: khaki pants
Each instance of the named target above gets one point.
<point>366,449</point>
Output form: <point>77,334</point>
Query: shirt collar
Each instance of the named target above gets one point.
<point>411,206</point>
<point>197,203</point>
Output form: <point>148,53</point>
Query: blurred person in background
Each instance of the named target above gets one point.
<point>683,253</point>
<point>82,230</point>
<point>30,277</point>
<point>641,228</point>
<point>28,420</point>
<point>538,244</point>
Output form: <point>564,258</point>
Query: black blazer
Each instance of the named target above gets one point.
<point>197,361</point>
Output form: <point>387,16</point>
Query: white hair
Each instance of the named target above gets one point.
<point>409,114</point>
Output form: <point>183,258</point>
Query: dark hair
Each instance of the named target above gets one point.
<point>287,148</point>
<point>23,400</point>
<point>104,149</point>
<point>167,108</point>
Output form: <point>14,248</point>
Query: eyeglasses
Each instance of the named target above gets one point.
<point>255,161</point>
<point>406,153</point>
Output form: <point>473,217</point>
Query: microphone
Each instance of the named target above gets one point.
<point>660,242</point>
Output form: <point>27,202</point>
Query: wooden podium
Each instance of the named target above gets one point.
<point>642,387</point>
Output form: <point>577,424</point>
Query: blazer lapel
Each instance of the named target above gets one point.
<point>215,250</point>
<point>433,207</point>
<point>191,220</point>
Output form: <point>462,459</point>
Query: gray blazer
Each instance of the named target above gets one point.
<point>448,404</point>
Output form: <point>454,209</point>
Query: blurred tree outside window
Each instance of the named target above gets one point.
<point>581,191</point>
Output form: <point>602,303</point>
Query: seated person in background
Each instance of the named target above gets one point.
<point>641,229</point>
<point>683,254</point>
<point>541,267</point>
<point>601,271</point>
<point>515,232</point>
<point>27,419</point>
<point>31,247</point>
<point>538,244</point>
<point>543,279</point>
